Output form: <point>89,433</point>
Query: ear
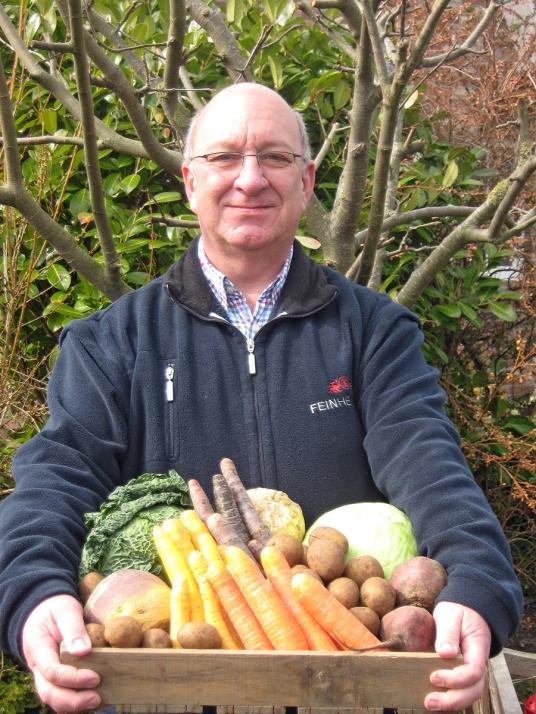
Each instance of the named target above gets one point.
<point>308,182</point>
<point>190,185</point>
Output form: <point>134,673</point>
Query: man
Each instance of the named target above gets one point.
<point>235,353</point>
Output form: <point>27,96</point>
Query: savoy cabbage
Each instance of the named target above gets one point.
<point>120,532</point>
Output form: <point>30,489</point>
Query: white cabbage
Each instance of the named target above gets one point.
<point>377,529</point>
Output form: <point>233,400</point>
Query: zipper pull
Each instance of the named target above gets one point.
<point>170,371</point>
<point>252,367</point>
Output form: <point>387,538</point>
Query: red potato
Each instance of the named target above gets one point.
<point>129,592</point>
<point>418,581</point>
<point>408,629</point>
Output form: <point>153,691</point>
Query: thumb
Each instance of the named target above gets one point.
<point>448,618</point>
<point>68,615</point>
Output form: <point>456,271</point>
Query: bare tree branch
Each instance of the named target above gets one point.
<point>212,20</point>
<point>63,95</point>
<point>171,102</point>
<point>348,8</point>
<point>14,194</point>
<point>339,247</point>
<point>168,160</point>
<point>91,155</point>
<point>190,91</point>
<point>468,44</point>
<point>306,8</point>
<point>174,222</point>
<point>377,45</point>
<point>322,152</point>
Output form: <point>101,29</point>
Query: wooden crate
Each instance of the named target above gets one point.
<point>238,682</point>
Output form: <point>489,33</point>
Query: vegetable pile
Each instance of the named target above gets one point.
<point>231,583</point>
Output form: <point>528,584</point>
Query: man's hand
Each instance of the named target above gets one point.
<point>62,687</point>
<point>459,629</point>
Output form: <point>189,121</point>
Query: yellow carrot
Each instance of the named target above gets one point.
<point>179,608</point>
<point>279,625</point>
<point>176,567</point>
<point>331,614</point>
<point>211,603</point>
<point>238,611</point>
<point>179,534</point>
<point>193,523</point>
<point>279,575</point>
<point>209,548</point>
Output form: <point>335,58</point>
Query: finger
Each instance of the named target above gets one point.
<point>447,631</point>
<point>64,699</point>
<point>454,699</point>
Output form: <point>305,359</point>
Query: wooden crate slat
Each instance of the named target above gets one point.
<point>323,680</point>
<point>503,695</point>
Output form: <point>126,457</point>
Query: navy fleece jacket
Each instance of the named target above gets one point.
<point>340,407</point>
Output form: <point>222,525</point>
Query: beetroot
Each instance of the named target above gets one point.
<point>408,629</point>
<point>418,581</point>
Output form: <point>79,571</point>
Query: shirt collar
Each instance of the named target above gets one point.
<point>223,288</point>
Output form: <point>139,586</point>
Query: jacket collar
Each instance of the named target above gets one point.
<point>306,288</point>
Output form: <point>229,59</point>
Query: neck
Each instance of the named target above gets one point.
<point>250,272</point>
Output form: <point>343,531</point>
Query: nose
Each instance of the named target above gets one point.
<point>251,178</point>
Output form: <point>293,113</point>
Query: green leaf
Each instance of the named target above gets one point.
<point>50,120</point>
<point>276,68</point>
<point>58,276</point>
<point>450,310</point>
<point>166,197</point>
<point>130,183</point>
<point>519,424</point>
<point>503,311</point>
<point>450,175</point>
<point>80,202</point>
<point>341,94</point>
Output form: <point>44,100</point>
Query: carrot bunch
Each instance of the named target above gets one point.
<point>234,520</point>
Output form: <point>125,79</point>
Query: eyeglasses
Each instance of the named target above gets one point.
<point>234,160</point>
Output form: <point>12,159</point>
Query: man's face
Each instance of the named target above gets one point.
<point>250,208</point>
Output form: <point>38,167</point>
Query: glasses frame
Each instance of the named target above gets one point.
<point>256,155</point>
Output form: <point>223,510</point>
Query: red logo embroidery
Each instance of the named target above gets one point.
<point>339,384</point>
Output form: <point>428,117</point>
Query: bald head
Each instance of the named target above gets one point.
<point>233,99</point>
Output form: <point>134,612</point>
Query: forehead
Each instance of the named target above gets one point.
<point>252,119</point>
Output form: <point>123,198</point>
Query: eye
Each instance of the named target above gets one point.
<point>224,158</point>
<point>276,159</point>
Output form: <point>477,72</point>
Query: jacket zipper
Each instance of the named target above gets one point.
<point>170,398</point>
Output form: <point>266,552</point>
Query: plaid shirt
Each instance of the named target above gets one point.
<point>233,301</point>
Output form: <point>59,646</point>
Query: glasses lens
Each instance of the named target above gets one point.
<point>276,159</point>
<point>225,160</point>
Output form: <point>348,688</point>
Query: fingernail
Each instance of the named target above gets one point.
<point>80,643</point>
<point>93,702</point>
<point>436,680</point>
<point>447,648</point>
<point>433,705</point>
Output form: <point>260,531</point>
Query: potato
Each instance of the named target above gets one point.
<point>368,617</point>
<point>329,533</point>
<point>88,583</point>
<point>291,547</point>
<point>345,590</point>
<point>326,558</point>
<point>123,631</point>
<point>300,568</point>
<point>363,567</point>
<point>96,634</point>
<point>157,638</point>
<point>199,636</point>
<point>378,594</point>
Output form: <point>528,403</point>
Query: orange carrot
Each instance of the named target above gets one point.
<point>239,612</point>
<point>279,574</point>
<point>211,603</point>
<point>279,625</point>
<point>331,614</point>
